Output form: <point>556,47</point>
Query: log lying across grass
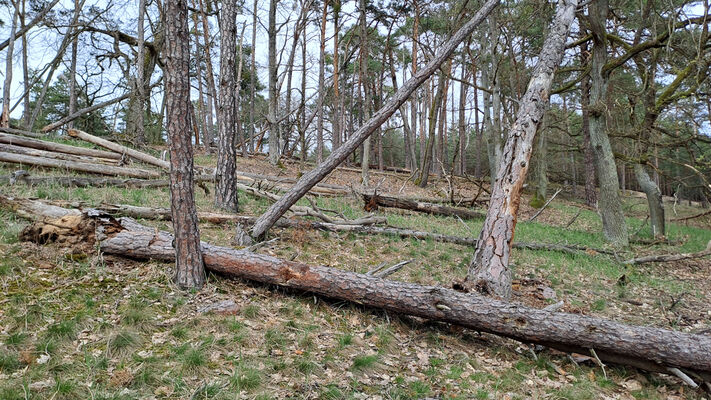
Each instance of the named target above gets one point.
<point>671,257</point>
<point>85,181</point>
<point>373,201</point>
<point>649,348</point>
<point>91,168</point>
<point>28,151</point>
<point>56,147</point>
<point>135,154</point>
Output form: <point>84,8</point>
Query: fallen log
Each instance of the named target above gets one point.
<point>373,201</point>
<point>649,348</point>
<point>28,151</point>
<point>670,257</point>
<point>21,132</point>
<point>56,147</point>
<point>78,166</point>
<point>362,225</point>
<point>135,154</point>
<point>321,188</point>
<point>83,181</point>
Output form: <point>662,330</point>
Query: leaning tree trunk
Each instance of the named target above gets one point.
<point>489,270</point>
<point>190,269</point>
<point>654,199</point>
<point>225,190</point>
<point>614,226</point>
<point>314,176</point>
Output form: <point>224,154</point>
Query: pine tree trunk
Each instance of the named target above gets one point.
<point>213,95</point>
<point>253,79</point>
<point>489,270</point>
<point>225,190</point>
<point>189,271</point>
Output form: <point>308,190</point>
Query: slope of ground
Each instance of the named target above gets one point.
<point>80,325</point>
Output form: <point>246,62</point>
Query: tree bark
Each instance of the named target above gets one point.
<point>56,147</point>
<point>225,190</point>
<point>427,158</point>
<point>28,151</point>
<point>588,152</point>
<point>363,91</point>
<point>123,150</point>
<point>336,117</point>
<point>212,92</point>
<point>650,348</point>
<point>489,271</point>
<point>614,226</point>
<point>273,95</point>
<point>5,115</point>
<point>654,200</point>
<point>317,174</point>
<point>77,166</point>
<point>321,79</point>
<point>73,67</point>
<point>189,265</point>
<point>83,181</point>
<point>253,78</point>
<point>372,201</point>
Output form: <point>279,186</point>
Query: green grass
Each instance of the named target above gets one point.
<point>364,362</point>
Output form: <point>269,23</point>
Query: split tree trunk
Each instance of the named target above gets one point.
<point>649,348</point>
<point>489,270</point>
<point>317,174</point>
<point>135,154</point>
<point>654,200</point>
<point>225,190</point>
<point>189,265</point>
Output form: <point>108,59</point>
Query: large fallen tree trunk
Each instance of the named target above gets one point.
<point>648,348</point>
<point>372,201</point>
<point>56,147</point>
<point>135,154</point>
<point>28,151</point>
<point>78,166</point>
<point>21,132</point>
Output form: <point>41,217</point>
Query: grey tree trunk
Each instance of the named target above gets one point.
<point>588,152</point>
<point>461,166</point>
<point>25,72</point>
<point>614,226</point>
<point>654,200</point>
<point>252,79</point>
<point>273,95</point>
<point>540,168</point>
<point>212,89</point>
<point>189,265</point>
<point>321,89</point>
<point>225,189</point>
<point>5,116</point>
<point>432,126</point>
<point>308,180</point>
<point>489,271</point>
<point>73,69</point>
<point>363,83</point>
<point>337,113</point>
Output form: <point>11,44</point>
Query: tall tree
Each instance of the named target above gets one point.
<point>189,265</point>
<point>273,94</point>
<point>73,68</point>
<point>614,226</point>
<point>5,117</point>
<point>225,189</point>
<point>321,83</point>
<point>489,270</point>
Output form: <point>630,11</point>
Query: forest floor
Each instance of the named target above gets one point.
<point>80,326</point>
